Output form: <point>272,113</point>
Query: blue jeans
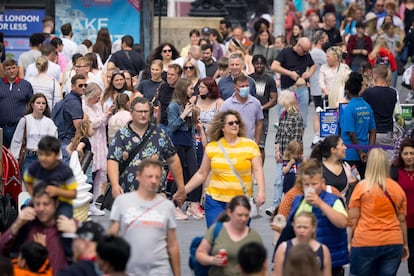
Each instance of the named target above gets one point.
<point>303,100</point>
<point>278,187</point>
<point>65,154</point>
<point>8,133</point>
<point>375,260</point>
<point>29,159</point>
<point>212,209</point>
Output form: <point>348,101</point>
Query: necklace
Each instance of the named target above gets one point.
<point>410,174</point>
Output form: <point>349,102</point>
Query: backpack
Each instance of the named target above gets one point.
<point>199,269</point>
<point>406,77</point>
<point>57,116</point>
<point>8,212</point>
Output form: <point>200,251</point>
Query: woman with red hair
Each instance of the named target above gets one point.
<point>208,101</point>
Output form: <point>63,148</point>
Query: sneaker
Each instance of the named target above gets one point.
<point>200,209</point>
<point>95,211</point>
<point>193,210</point>
<point>179,214</point>
<point>270,211</point>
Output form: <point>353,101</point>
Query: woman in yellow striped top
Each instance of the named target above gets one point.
<point>228,128</point>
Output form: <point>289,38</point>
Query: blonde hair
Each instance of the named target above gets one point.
<point>294,147</point>
<point>381,42</point>
<point>42,63</point>
<point>92,90</point>
<point>377,170</point>
<point>336,51</point>
<point>290,101</point>
<point>81,131</point>
<point>194,64</point>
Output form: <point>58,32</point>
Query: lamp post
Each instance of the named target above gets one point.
<point>237,10</point>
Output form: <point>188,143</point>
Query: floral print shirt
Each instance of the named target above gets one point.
<point>158,146</point>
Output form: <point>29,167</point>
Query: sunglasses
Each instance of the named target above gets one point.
<point>82,85</point>
<point>188,67</point>
<point>232,123</point>
<point>167,51</point>
<point>117,72</point>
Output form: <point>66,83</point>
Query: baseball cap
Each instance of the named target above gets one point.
<point>90,231</point>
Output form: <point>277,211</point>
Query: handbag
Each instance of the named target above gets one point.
<point>22,153</point>
<point>108,199</point>
<point>86,160</point>
<point>254,208</point>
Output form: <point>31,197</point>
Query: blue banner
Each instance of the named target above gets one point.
<point>21,23</point>
<point>328,123</point>
<point>121,17</point>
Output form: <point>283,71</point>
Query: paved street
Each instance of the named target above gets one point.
<point>186,230</point>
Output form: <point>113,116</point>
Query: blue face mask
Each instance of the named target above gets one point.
<point>244,91</point>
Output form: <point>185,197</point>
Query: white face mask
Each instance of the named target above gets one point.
<point>244,91</point>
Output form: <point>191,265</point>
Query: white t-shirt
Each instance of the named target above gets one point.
<point>53,71</point>
<point>144,224</point>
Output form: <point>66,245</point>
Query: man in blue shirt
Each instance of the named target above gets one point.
<point>15,93</point>
<point>226,84</point>
<point>72,112</point>
<point>357,124</point>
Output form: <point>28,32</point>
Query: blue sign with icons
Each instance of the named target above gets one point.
<point>328,123</point>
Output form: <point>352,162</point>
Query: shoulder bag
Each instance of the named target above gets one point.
<point>254,208</point>
<point>108,200</point>
<point>22,153</point>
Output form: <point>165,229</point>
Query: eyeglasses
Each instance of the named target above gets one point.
<point>379,5</point>
<point>80,66</point>
<point>167,51</point>
<point>82,85</point>
<point>141,111</point>
<point>188,67</point>
<point>303,49</point>
<point>232,123</point>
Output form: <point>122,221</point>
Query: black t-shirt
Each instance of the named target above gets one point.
<point>148,88</point>
<point>264,85</point>
<point>87,143</point>
<point>164,99</point>
<point>334,37</point>
<point>338,181</point>
<point>128,60</point>
<point>290,60</point>
<point>382,101</point>
<point>211,68</point>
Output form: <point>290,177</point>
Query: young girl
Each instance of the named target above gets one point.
<point>81,144</point>
<point>292,159</point>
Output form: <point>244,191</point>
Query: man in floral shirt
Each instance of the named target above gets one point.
<point>158,146</point>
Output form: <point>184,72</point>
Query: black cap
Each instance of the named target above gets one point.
<point>90,231</point>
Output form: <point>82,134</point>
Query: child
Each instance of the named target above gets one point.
<point>80,142</point>
<point>82,145</point>
<point>33,258</point>
<point>292,159</point>
<point>51,170</point>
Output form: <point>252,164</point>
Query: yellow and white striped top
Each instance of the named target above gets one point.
<point>224,185</point>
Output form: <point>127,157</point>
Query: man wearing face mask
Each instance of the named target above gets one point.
<point>247,105</point>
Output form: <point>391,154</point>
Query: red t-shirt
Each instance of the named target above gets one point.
<point>408,186</point>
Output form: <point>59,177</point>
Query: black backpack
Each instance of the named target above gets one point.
<point>58,117</point>
<point>8,212</point>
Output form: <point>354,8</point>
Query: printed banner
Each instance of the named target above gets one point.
<point>21,23</point>
<point>121,17</point>
<point>328,123</point>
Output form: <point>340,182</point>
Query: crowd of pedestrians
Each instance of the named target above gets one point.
<point>182,133</point>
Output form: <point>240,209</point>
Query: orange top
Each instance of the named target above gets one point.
<point>378,224</point>
<point>45,270</point>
